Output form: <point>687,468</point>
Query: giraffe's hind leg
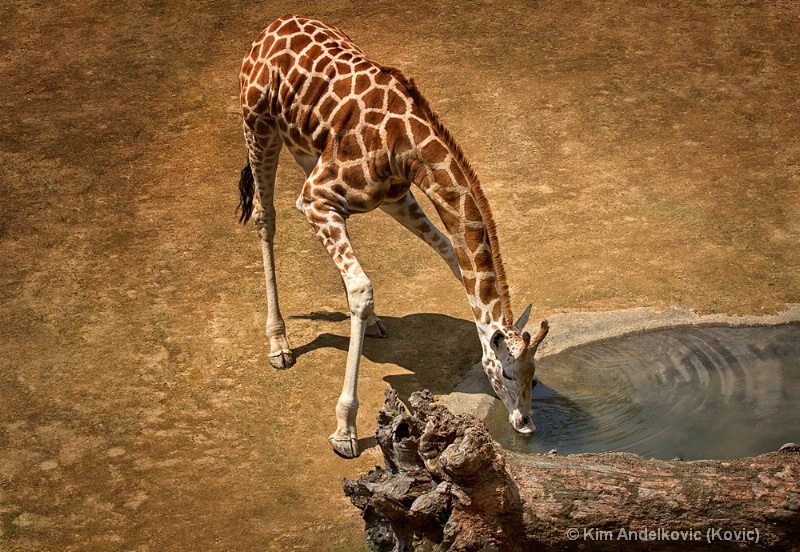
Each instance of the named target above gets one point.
<point>263,150</point>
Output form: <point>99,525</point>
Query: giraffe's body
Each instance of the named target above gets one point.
<point>363,134</point>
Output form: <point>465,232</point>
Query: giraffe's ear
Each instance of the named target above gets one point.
<point>497,340</point>
<point>520,324</point>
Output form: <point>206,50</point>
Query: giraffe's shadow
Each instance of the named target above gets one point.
<point>436,349</point>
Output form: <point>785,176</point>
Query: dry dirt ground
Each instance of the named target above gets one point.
<point>635,154</point>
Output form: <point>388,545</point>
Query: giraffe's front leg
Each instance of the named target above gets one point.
<point>329,226</point>
<point>375,327</point>
<point>345,439</point>
<point>407,212</point>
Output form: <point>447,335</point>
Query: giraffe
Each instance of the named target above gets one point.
<point>363,134</point>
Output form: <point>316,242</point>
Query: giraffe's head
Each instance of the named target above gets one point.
<point>508,361</point>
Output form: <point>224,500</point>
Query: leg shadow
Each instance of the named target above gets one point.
<point>436,350</point>
<point>322,315</point>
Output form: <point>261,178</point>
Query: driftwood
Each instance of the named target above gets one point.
<point>448,485</point>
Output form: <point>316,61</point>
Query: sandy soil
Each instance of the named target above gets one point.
<point>633,155</point>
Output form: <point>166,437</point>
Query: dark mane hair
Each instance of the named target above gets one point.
<point>474,186</point>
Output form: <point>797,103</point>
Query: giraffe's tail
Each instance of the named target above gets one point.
<point>246,192</point>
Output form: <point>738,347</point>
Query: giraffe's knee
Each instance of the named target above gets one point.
<point>266,231</point>
<point>360,297</point>
<point>264,221</point>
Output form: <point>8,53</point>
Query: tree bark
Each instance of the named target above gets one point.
<point>448,485</point>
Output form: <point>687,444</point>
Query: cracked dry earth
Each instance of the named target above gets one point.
<point>633,155</point>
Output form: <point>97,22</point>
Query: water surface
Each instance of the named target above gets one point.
<point>692,392</point>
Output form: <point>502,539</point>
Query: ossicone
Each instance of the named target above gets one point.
<point>544,327</point>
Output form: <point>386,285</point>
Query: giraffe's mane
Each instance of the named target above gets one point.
<point>474,186</point>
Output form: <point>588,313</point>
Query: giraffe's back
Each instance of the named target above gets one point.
<point>290,72</point>
<point>330,102</point>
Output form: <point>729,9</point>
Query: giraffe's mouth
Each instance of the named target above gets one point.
<point>522,423</point>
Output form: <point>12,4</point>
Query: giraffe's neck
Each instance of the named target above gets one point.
<point>439,168</point>
<point>453,188</point>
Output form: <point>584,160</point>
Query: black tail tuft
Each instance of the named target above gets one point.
<point>246,191</point>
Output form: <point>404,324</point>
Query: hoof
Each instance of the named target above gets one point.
<point>282,360</point>
<point>376,328</point>
<point>346,448</point>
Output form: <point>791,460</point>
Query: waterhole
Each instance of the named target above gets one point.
<point>692,392</point>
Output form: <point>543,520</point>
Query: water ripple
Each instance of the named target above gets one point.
<point>694,392</point>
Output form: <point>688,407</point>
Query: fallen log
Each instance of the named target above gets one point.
<point>447,482</point>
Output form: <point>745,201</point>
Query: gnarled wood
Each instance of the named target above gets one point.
<point>446,481</point>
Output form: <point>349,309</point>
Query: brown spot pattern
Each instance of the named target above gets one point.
<point>367,133</point>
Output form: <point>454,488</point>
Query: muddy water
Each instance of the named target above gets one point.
<point>693,393</point>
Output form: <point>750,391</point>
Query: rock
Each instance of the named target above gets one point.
<point>447,482</point>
